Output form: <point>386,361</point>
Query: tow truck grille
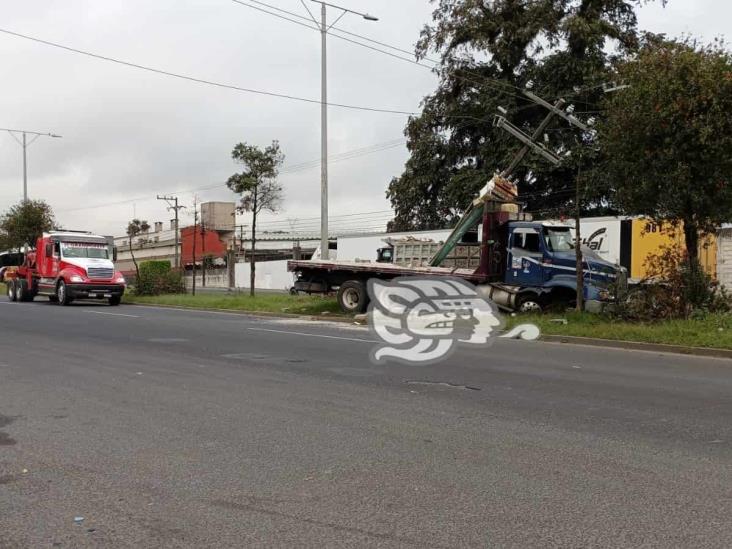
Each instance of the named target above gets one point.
<point>100,272</point>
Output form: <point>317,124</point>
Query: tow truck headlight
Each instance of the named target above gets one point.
<point>120,280</point>
<point>76,278</point>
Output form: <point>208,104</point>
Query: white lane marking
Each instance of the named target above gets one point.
<point>312,335</point>
<point>110,314</point>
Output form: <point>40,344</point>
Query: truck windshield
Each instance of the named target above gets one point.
<point>74,249</point>
<point>558,240</point>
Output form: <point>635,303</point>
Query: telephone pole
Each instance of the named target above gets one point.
<point>172,202</point>
<point>530,143</point>
<point>25,144</point>
<point>195,230</point>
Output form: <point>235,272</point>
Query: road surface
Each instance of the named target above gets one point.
<point>170,428</point>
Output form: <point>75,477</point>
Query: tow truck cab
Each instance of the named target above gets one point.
<point>72,265</point>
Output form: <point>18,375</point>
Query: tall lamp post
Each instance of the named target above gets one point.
<point>25,144</point>
<point>324,28</point>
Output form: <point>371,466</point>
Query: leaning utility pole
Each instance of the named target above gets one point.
<point>530,143</point>
<point>174,206</point>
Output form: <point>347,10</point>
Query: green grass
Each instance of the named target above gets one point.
<point>265,302</point>
<point>712,331</point>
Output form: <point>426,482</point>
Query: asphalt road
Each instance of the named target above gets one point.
<point>169,428</point>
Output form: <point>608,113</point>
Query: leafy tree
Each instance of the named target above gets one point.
<point>668,137</point>
<point>134,229</point>
<point>257,184</point>
<point>488,51</point>
<point>25,222</point>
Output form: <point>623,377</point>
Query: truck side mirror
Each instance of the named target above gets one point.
<point>49,250</point>
<point>114,254</point>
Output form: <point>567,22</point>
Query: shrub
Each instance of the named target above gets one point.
<point>157,277</point>
<point>676,287</point>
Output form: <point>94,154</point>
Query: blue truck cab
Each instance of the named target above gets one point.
<point>541,268</point>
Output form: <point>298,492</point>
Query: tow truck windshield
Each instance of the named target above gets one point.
<point>558,240</point>
<point>94,251</point>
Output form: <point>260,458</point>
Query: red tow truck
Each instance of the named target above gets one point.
<point>65,266</point>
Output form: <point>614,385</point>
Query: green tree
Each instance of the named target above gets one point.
<point>25,222</point>
<point>134,229</point>
<point>257,184</point>
<point>488,51</point>
<point>667,138</point>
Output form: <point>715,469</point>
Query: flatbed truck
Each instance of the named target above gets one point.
<point>524,265</point>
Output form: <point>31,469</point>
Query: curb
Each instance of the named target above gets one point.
<point>264,314</point>
<point>639,346</point>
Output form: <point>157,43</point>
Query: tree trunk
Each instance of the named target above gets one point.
<point>691,236</point>
<point>137,269</point>
<point>578,246</point>
<point>253,261</point>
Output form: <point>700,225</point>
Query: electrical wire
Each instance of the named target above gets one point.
<point>201,80</point>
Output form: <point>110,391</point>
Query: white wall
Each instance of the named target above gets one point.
<point>269,275</point>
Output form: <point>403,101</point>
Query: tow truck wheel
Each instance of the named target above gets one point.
<point>11,291</point>
<point>115,300</point>
<point>21,290</point>
<point>528,303</point>
<point>62,294</point>
<point>352,297</point>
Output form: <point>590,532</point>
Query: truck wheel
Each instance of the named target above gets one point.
<point>115,300</point>
<point>22,293</point>
<point>62,294</point>
<point>11,291</point>
<point>352,297</point>
<point>528,303</point>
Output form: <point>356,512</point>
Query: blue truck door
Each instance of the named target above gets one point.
<point>524,258</point>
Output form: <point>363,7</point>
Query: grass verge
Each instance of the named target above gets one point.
<point>712,331</point>
<point>271,303</point>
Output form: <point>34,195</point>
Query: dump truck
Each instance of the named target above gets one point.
<point>68,265</point>
<point>522,265</point>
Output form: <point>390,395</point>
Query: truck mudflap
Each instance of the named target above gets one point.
<point>95,291</point>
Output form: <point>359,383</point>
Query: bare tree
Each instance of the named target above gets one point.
<point>134,229</point>
<point>257,184</point>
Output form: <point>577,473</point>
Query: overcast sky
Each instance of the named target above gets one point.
<point>130,134</point>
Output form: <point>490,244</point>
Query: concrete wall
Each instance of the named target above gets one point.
<point>270,275</point>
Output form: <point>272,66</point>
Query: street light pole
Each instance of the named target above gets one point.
<point>25,144</point>
<point>324,241</point>
<point>324,28</point>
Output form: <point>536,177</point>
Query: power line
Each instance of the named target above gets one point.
<point>347,155</point>
<point>200,80</point>
<point>484,79</point>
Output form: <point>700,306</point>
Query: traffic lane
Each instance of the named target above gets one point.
<point>677,400</point>
<point>266,457</point>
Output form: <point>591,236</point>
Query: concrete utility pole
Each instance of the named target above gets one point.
<point>174,206</point>
<point>324,28</point>
<point>530,143</point>
<point>25,144</point>
<point>195,230</point>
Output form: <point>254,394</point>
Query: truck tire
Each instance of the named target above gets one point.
<point>529,303</point>
<point>115,300</point>
<point>62,294</point>
<point>353,297</point>
<point>11,291</point>
<point>22,292</point>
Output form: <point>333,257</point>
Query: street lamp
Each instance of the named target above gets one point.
<point>324,28</point>
<point>25,144</point>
